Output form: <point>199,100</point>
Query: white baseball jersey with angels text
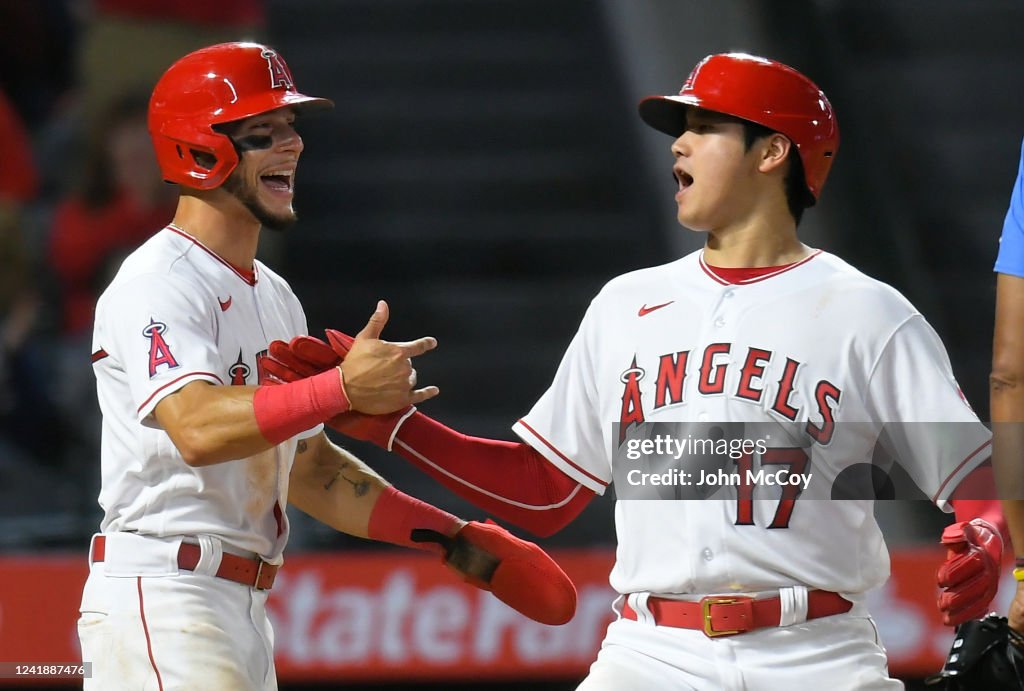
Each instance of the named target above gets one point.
<point>819,363</point>
<point>177,313</point>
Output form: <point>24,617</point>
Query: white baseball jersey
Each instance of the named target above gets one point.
<point>177,313</point>
<point>815,366</point>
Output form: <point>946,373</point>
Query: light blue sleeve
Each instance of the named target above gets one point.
<point>1011,244</point>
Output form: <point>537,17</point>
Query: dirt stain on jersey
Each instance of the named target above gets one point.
<point>824,302</point>
<point>261,481</point>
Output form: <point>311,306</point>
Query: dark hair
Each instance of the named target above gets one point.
<point>798,197</point>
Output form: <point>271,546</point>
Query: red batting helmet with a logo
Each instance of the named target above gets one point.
<point>762,91</point>
<point>218,84</point>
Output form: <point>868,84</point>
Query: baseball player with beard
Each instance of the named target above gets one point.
<point>811,366</point>
<point>198,460</point>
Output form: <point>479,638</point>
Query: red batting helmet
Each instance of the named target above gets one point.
<point>762,91</point>
<point>222,83</point>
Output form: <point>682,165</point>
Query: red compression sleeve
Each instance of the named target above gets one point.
<point>284,410</point>
<point>396,515</point>
<point>975,497</point>
<point>507,479</point>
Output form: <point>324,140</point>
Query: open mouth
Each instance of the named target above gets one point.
<point>279,181</point>
<point>684,179</point>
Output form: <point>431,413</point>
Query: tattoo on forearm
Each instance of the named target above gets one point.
<point>336,476</point>
<point>360,487</point>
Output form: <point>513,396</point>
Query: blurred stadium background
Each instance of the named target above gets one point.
<point>485,171</point>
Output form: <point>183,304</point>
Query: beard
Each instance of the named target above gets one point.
<point>249,197</point>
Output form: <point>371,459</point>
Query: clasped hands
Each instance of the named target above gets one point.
<point>378,375</point>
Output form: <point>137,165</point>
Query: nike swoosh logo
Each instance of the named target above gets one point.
<point>647,310</point>
<point>224,304</point>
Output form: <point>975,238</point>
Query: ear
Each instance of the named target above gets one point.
<point>774,151</point>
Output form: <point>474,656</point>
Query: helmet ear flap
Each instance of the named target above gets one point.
<point>184,143</point>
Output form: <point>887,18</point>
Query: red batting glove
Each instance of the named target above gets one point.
<point>519,573</point>
<point>970,575</point>
<point>305,356</point>
<point>340,342</point>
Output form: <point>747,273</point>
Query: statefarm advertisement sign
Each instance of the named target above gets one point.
<point>403,616</point>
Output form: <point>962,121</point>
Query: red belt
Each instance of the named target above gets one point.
<point>254,573</point>
<point>729,615</point>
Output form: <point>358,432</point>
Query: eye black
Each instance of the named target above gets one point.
<point>253,142</point>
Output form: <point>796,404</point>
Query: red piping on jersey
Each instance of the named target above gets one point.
<point>249,277</point>
<point>561,455</point>
<point>149,642</point>
<point>172,383</point>
<point>755,279</point>
<point>957,470</point>
<point>99,355</point>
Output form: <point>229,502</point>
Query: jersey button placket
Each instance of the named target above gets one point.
<point>722,313</point>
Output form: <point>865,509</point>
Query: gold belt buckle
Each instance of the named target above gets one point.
<point>705,610</point>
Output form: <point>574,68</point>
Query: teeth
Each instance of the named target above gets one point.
<point>286,174</point>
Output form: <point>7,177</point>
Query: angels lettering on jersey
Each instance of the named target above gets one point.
<point>669,450</point>
<point>674,383</point>
<point>161,355</point>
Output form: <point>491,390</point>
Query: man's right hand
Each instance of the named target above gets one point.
<point>378,375</point>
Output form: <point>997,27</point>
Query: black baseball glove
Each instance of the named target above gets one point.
<point>987,655</point>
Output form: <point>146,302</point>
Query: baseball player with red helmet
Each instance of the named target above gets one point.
<point>198,459</point>
<point>791,371</point>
